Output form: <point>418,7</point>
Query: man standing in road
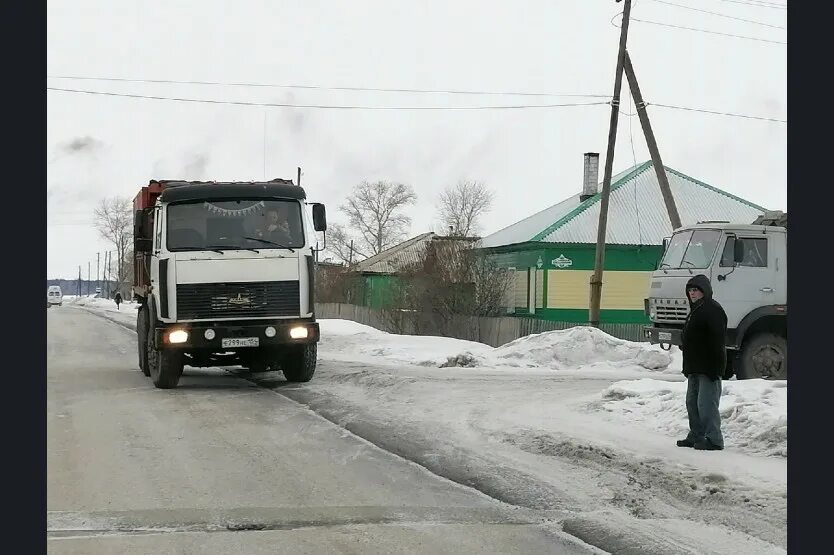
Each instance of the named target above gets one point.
<point>704,361</point>
<point>118,299</point>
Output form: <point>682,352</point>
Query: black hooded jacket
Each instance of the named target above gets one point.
<point>704,334</point>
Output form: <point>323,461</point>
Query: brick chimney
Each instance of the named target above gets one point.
<point>590,177</point>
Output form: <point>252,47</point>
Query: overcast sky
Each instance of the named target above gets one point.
<point>107,146</point>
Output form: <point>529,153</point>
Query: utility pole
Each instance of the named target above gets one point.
<point>298,181</point>
<point>662,178</point>
<point>78,292</point>
<point>107,272</point>
<point>350,258</point>
<point>98,271</point>
<point>599,260</point>
<point>88,279</point>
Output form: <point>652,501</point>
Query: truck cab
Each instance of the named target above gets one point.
<point>747,266</point>
<point>224,275</point>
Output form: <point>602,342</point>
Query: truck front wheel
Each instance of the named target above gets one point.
<point>165,366</point>
<point>299,363</point>
<point>765,355</point>
<point>142,339</point>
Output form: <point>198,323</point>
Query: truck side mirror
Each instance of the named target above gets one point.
<point>319,217</point>
<point>738,251</point>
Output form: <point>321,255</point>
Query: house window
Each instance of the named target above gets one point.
<point>520,291</point>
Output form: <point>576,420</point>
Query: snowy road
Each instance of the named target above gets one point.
<point>574,447</point>
<point>220,465</point>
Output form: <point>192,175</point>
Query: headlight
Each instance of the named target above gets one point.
<point>298,333</point>
<point>270,331</point>
<point>178,336</point>
<point>209,334</point>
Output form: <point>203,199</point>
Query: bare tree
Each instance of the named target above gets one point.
<point>451,282</point>
<point>342,246</point>
<point>377,212</point>
<point>114,222</point>
<point>461,206</point>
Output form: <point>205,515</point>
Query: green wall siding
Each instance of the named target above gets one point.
<point>623,258</point>
<point>618,258</point>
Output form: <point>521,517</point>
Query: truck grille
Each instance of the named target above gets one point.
<point>206,301</point>
<point>670,311</point>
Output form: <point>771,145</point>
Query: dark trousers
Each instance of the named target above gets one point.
<point>702,396</point>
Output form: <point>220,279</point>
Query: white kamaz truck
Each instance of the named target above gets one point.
<point>224,274</point>
<point>748,268</point>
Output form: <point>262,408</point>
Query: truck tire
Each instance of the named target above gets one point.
<point>764,355</point>
<point>165,365</point>
<point>299,363</point>
<point>142,339</point>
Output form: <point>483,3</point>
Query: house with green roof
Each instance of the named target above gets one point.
<point>552,252</point>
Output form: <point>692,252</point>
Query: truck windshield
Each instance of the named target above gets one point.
<point>234,225</point>
<point>691,249</point>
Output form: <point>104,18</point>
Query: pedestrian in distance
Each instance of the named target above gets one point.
<point>704,362</point>
<point>118,298</point>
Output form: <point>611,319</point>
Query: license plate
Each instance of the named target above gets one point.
<point>664,336</point>
<point>240,342</point>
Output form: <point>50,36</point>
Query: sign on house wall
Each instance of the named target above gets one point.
<point>562,262</point>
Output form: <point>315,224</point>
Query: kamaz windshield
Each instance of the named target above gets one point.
<point>235,225</point>
<point>691,249</point>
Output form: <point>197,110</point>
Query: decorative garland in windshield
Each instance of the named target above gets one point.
<point>214,209</point>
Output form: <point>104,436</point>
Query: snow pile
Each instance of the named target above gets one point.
<point>344,339</point>
<point>754,413</point>
<point>577,347</point>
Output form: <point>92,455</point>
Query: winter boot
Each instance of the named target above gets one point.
<point>706,445</point>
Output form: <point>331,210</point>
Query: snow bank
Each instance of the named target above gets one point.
<point>754,413</point>
<point>577,347</point>
<point>573,348</point>
<point>344,339</point>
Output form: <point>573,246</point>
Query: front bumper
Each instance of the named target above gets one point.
<point>667,336</point>
<point>224,330</point>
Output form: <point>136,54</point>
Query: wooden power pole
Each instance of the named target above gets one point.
<point>599,260</point>
<point>662,178</point>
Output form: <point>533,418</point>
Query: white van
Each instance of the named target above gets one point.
<point>54,296</point>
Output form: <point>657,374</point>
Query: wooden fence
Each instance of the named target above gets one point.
<point>492,331</point>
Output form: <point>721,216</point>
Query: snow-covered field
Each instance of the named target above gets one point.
<point>572,420</point>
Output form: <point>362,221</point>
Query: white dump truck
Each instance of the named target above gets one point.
<point>224,275</point>
<point>748,268</point>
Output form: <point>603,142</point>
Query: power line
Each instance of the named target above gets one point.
<point>730,114</point>
<point>758,4</point>
<point>708,31</point>
<point>322,106</point>
<point>718,14</point>
<point>520,106</point>
<point>317,87</point>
